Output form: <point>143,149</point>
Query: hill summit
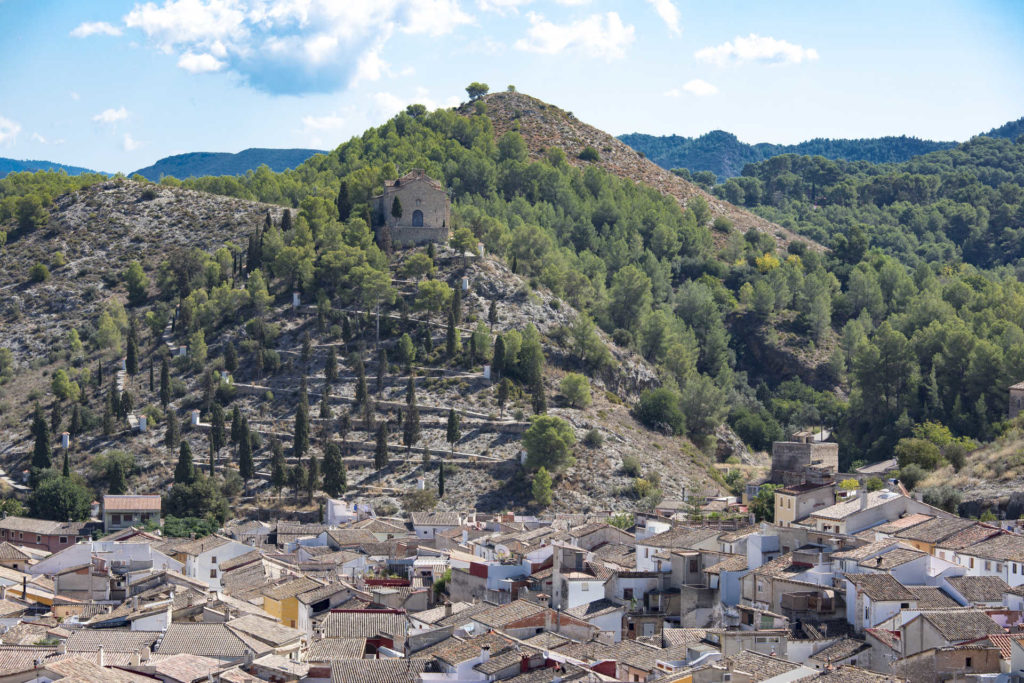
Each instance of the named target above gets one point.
<point>195,164</point>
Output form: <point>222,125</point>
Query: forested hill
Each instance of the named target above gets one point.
<point>31,165</point>
<point>723,154</point>
<point>196,164</point>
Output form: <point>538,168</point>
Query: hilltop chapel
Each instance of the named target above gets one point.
<point>413,209</point>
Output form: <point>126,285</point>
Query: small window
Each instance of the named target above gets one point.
<point>971,563</point>
<point>693,565</point>
<point>988,566</point>
<point>213,573</point>
<point>1015,568</point>
<point>586,586</point>
<point>627,593</point>
<point>213,559</point>
<point>63,539</point>
<point>967,662</point>
<point>904,605</point>
<point>39,539</point>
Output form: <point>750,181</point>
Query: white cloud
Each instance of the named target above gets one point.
<point>700,88</point>
<point>36,137</point>
<point>597,36</point>
<point>669,13</point>
<point>199,63</point>
<point>502,6</point>
<point>91,28</point>
<point>8,131</point>
<point>130,144</point>
<point>755,48</point>
<point>328,122</point>
<point>672,92</point>
<point>290,46</point>
<point>111,115</point>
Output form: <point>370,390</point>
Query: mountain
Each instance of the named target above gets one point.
<point>18,165</point>
<point>725,155</point>
<point>1010,131</point>
<point>544,126</point>
<point>195,164</point>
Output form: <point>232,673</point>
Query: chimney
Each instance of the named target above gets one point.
<point>485,653</point>
<point>448,609</point>
<point>135,603</point>
<point>864,498</point>
<point>100,659</point>
<point>62,647</point>
<point>144,654</point>
<point>878,561</point>
<point>24,588</point>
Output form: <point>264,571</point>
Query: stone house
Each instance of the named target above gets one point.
<point>1016,399</point>
<point>425,214</point>
<point>43,534</point>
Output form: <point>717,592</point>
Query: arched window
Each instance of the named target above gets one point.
<point>417,219</point>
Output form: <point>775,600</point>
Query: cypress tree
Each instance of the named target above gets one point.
<point>172,434</point>
<point>396,208</point>
<point>56,417</point>
<point>245,464</point>
<point>498,359</point>
<point>331,367</point>
<point>472,350</point>
<point>185,471</point>
<point>108,421</point>
<point>126,405</point>
<point>278,467</point>
<point>217,428</point>
<point>382,367</point>
<point>431,251</point>
<point>325,406</point>
<point>492,314</point>
<point>117,484</point>
<point>152,384</point>
<point>335,482</point>
<point>131,362</point>
<point>380,453</point>
<point>515,265</point>
<point>453,433</point>
<point>411,424</point>
<point>212,454</point>
<point>361,393</point>
<point>99,373</point>
<point>230,357</point>
<point>76,421</point>
<point>313,477</point>
<point>538,400</point>
<point>504,389</point>
<point>165,384</point>
<point>343,202</point>
<point>66,469</point>
<point>440,481</point>
<point>301,438</point>
<point>451,338</point>
<point>236,426</point>
<point>114,400</point>
<point>286,220</point>
<point>457,305</point>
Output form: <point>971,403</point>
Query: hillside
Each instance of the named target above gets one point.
<point>195,164</point>
<point>102,228</point>
<point>544,126</point>
<point>19,165</point>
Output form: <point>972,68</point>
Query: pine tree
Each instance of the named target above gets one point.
<point>453,433</point>
<point>492,314</point>
<point>278,467</point>
<point>172,434</point>
<point>380,453</point>
<point>504,390</point>
<point>301,437</point>
<point>245,464</point>
<point>165,384</point>
<point>335,482</point>
<point>331,367</point>
<point>440,481</point>
<point>361,392</point>
<point>343,202</point>
<point>539,401</point>
<point>185,471</point>
<point>382,368</point>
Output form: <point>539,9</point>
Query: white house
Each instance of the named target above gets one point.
<point>874,598</point>
<point>203,556</point>
<point>429,524</point>
<point>117,555</point>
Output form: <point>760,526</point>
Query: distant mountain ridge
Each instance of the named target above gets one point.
<point>32,165</point>
<point>224,163</point>
<point>725,155</point>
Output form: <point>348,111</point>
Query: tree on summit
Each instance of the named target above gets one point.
<point>476,90</point>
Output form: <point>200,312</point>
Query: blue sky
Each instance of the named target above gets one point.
<point>115,85</point>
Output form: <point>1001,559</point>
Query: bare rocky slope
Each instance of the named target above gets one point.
<point>544,126</point>
<point>102,228</point>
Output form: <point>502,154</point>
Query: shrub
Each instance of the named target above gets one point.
<point>659,409</point>
<point>541,487</point>
<point>548,443</point>
<point>912,475</point>
<point>576,389</point>
<point>945,497</point>
<point>420,500</point>
<point>593,439</point>
<point>631,466</point>
<point>39,273</point>
<point>589,154</point>
<point>58,259</point>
